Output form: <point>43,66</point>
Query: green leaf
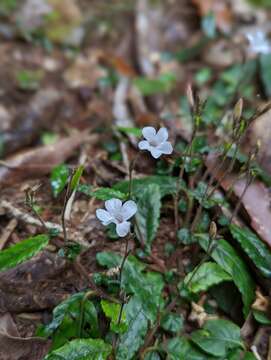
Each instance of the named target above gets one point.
<point>112,311</point>
<point>82,349</point>
<point>108,193</point>
<point>255,248</point>
<point>29,79</point>
<point>7,6</point>
<point>228,298</point>
<point>146,287</point>
<point>207,275</point>
<point>49,138</point>
<point>133,338</point>
<point>24,250</point>
<point>152,355</point>
<point>148,214</point>
<point>102,193</point>
<point>163,84</point>
<point>172,322</point>
<point>180,348</point>
<point>167,185</point>
<point>227,257</point>
<point>238,354</point>
<point>248,356</point>
<point>217,337</point>
<point>130,130</point>
<point>185,237</point>
<point>67,318</point>
<point>76,177</point>
<point>265,72</point>
<point>59,178</point>
<point>261,317</point>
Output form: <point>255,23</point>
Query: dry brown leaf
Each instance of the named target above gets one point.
<point>255,200</point>
<point>39,161</point>
<point>13,347</point>
<point>38,284</point>
<point>31,119</point>
<point>260,131</point>
<point>121,66</point>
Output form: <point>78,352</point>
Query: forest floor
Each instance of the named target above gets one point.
<point>79,82</point>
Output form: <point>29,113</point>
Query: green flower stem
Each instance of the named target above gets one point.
<point>205,258</point>
<point>88,294</point>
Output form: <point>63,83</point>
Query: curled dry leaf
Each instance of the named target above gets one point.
<point>12,346</point>
<point>39,161</point>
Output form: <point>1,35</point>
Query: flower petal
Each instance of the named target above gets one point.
<point>162,135</point>
<point>123,228</point>
<point>156,153</point>
<point>113,206</point>
<point>104,216</point>
<point>144,145</point>
<point>165,148</point>
<point>128,209</point>
<point>149,133</point>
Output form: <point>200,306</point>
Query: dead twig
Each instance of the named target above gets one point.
<point>11,226</point>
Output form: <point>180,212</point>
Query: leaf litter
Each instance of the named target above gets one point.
<point>76,93</point>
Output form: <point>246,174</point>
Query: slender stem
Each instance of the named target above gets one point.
<point>87,295</point>
<point>208,253</point>
<point>236,210</point>
<point>187,153</point>
<point>66,199</point>
<point>131,169</point>
<point>126,254</point>
<point>214,171</point>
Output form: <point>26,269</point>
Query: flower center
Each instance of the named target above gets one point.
<point>119,218</point>
<point>154,142</point>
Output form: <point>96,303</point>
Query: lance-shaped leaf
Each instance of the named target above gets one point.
<point>22,251</point>
<point>148,214</point>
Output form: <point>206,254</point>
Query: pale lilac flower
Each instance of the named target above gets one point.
<point>117,213</point>
<point>155,143</point>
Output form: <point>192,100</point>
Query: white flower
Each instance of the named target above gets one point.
<point>258,42</point>
<point>155,143</point>
<point>118,214</point>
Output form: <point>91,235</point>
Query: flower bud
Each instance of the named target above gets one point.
<point>213,230</point>
<point>190,96</point>
<point>237,111</point>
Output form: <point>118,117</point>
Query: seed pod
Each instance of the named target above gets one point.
<point>190,96</point>
<point>237,111</point>
<point>213,230</point>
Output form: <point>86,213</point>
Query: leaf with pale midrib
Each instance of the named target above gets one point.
<point>22,251</point>
<point>148,214</point>
<point>227,257</point>
<point>258,252</point>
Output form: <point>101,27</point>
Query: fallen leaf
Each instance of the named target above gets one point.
<point>39,161</point>
<point>255,201</point>
<point>84,72</point>
<point>260,131</point>
<point>13,347</point>
<point>38,284</point>
<point>30,120</point>
<point>122,66</point>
